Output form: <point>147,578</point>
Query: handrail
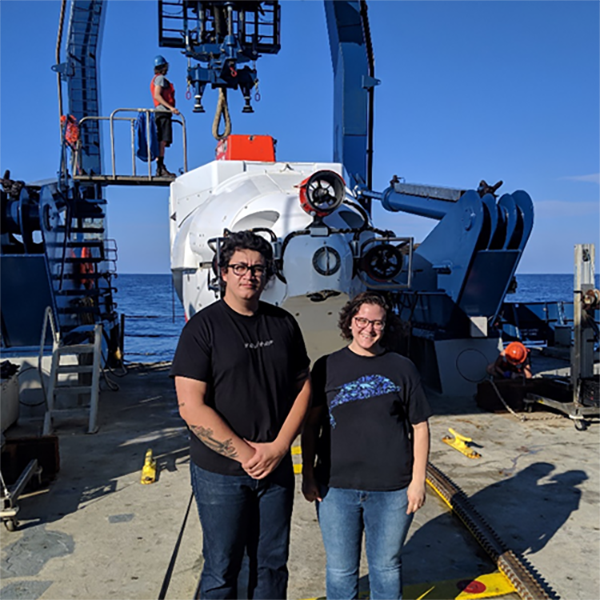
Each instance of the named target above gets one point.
<point>112,118</point>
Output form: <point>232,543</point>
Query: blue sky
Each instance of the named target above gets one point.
<point>470,90</point>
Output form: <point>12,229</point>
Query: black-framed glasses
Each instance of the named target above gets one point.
<point>240,269</point>
<point>361,323</point>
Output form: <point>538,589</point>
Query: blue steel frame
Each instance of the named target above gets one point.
<point>84,42</point>
<point>351,56</point>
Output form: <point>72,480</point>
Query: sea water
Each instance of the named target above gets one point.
<point>544,288</point>
<point>154,316</point>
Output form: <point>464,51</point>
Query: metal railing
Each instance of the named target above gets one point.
<point>76,157</point>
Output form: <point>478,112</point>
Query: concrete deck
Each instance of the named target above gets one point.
<point>97,533</point>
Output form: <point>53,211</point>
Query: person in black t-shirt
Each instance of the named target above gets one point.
<point>241,375</point>
<point>368,430</point>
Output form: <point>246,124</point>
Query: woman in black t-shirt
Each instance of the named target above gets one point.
<point>368,431</point>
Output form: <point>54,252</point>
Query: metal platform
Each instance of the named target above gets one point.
<point>125,180</point>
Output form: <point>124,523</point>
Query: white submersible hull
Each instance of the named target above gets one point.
<point>317,229</point>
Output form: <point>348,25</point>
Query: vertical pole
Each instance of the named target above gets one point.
<point>183,126</point>
<point>582,353</point>
<point>95,389</point>
<point>148,147</point>
<point>61,21</point>
<point>132,122</point>
<point>112,143</point>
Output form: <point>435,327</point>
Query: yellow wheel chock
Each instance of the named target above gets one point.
<point>460,443</point>
<point>149,469</point>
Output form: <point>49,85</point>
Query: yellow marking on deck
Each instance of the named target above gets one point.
<point>460,443</point>
<point>297,451</point>
<point>491,585</point>
<point>148,469</point>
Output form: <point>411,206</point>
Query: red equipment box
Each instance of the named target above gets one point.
<point>247,147</point>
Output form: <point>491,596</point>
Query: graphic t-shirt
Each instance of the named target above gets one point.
<point>372,403</point>
<point>251,365</point>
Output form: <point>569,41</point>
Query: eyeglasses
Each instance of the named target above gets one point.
<point>240,269</point>
<point>361,323</point>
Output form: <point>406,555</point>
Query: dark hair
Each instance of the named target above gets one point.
<point>351,308</point>
<point>161,69</point>
<point>246,240</point>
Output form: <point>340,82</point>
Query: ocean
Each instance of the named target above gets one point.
<point>154,316</point>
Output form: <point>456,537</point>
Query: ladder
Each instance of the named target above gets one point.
<point>58,386</point>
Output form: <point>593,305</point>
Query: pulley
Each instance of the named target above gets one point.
<point>591,299</point>
<point>382,262</point>
<point>321,193</point>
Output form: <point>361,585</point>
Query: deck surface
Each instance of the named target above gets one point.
<point>96,532</point>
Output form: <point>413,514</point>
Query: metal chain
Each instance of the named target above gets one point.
<point>528,583</point>
<point>523,418</point>
<point>508,408</point>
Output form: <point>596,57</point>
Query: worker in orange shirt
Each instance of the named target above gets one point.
<point>163,95</point>
<point>512,363</point>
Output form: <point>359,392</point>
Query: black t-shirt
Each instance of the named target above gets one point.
<point>372,403</point>
<point>251,365</point>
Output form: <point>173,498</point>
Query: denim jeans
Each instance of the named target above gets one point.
<point>241,515</point>
<point>343,516</point>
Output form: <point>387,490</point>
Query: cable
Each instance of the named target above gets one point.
<point>112,371</point>
<point>29,367</point>
<point>112,386</point>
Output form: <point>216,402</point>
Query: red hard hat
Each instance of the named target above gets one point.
<point>515,353</point>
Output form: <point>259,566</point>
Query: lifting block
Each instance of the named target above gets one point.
<point>460,443</point>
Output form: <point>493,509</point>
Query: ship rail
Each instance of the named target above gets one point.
<point>132,178</point>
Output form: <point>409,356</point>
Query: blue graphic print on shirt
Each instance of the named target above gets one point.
<point>367,386</point>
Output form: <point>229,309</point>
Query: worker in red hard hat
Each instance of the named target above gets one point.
<point>163,95</point>
<point>513,362</point>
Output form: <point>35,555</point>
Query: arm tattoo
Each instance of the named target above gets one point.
<point>205,435</point>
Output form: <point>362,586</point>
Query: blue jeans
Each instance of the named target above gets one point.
<point>241,515</point>
<point>343,516</point>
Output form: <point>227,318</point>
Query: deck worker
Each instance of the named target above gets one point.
<point>512,363</point>
<point>242,379</point>
<point>372,450</point>
<point>163,95</point>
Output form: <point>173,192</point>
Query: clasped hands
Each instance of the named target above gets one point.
<point>265,459</point>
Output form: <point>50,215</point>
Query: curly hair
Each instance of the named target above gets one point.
<point>246,240</point>
<point>351,308</point>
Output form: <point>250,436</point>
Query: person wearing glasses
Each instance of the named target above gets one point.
<point>368,431</point>
<point>242,379</point>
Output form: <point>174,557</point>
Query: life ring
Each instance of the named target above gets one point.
<point>71,130</point>
<point>86,268</point>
